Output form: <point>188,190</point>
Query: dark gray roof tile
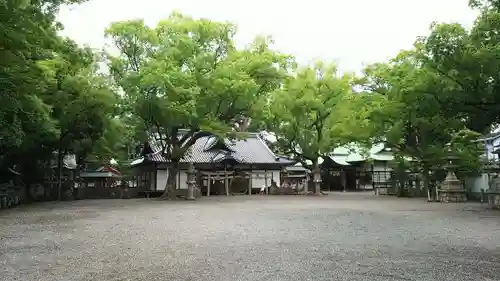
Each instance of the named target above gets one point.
<point>252,150</point>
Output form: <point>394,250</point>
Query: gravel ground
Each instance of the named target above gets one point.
<point>335,237</point>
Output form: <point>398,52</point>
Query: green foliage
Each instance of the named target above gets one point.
<point>80,99</point>
<point>187,74</point>
<point>484,4</point>
<point>469,61</point>
<point>52,97</point>
<point>420,102</point>
<point>316,111</point>
<point>465,146</point>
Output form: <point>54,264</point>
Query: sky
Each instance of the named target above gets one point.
<point>351,33</point>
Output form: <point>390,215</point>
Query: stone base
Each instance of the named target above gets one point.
<point>282,191</point>
<point>494,201</point>
<point>197,192</point>
<point>455,196</point>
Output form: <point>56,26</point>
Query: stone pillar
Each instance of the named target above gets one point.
<point>343,180</point>
<point>226,181</point>
<point>452,189</point>
<point>494,195</point>
<point>265,181</point>
<point>317,179</point>
<point>191,182</point>
<point>250,183</point>
<point>306,185</point>
<point>208,184</point>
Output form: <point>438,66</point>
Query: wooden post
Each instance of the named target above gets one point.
<point>343,179</point>
<point>208,184</point>
<point>191,182</point>
<point>306,186</point>
<point>373,180</point>
<point>265,181</point>
<point>250,183</point>
<point>178,185</point>
<point>249,173</point>
<point>226,182</point>
<point>156,176</point>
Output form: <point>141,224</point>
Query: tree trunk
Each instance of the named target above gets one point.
<point>401,181</point>
<point>171,185</point>
<point>316,177</point>
<point>191,182</point>
<point>343,180</point>
<point>60,160</point>
<point>427,187</point>
<point>418,186</point>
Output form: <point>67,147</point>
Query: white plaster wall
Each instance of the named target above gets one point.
<point>182,181</point>
<point>381,174</point>
<point>477,183</point>
<point>377,166</point>
<point>152,180</point>
<point>491,145</point>
<point>496,143</point>
<point>276,177</point>
<point>161,179</point>
<point>258,178</point>
<point>489,151</point>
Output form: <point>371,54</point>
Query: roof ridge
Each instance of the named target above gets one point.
<point>267,147</point>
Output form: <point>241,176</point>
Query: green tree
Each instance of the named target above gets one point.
<point>468,60</point>
<point>187,74</point>
<point>81,101</point>
<point>314,112</point>
<point>28,37</point>
<point>422,123</point>
<point>116,143</point>
<point>54,100</point>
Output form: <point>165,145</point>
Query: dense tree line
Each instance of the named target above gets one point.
<point>54,101</point>
<point>184,78</point>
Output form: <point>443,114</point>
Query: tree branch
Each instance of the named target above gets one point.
<point>187,136</point>
<point>440,71</point>
<point>190,140</point>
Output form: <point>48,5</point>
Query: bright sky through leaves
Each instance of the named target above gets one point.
<point>352,33</point>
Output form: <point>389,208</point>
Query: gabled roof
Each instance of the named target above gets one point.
<point>101,172</point>
<point>353,153</point>
<point>69,161</point>
<point>108,169</point>
<point>296,168</point>
<point>490,136</point>
<point>252,150</point>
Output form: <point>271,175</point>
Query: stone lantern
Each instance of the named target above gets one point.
<point>191,181</point>
<point>493,190</point>
<point>317,180</point>
<point>452,189</point>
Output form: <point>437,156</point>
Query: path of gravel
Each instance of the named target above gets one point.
<point>336,237</point>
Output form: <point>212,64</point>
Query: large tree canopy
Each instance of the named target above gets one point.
<point>52,98</point>
<point>316,111</point>
<point>187,74</point>
<point>425,126</point>
<point>468,60</point>
<point>185,78</point>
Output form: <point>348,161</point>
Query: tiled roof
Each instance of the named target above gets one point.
<point>347,155</point>
<point>252,150</point>
<point>297,169</point>
<point>490,136</point>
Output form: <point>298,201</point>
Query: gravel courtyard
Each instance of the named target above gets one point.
<point>335,237</point>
